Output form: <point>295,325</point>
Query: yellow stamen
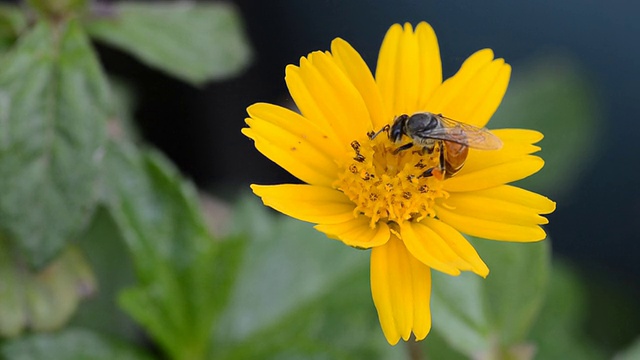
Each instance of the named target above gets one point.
<point>390,187</point>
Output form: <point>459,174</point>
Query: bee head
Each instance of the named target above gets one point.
<point>398,128</point>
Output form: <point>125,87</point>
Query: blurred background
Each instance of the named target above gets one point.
<point>574,78</point>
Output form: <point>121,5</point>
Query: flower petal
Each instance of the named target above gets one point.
<point>474,93</point>
<point>488,229</point>
<point>541,204</point>
<point>409,68</point>
<point>401,290</point>
<point>515,144</point>
<point>430,74</point>
<point>428,247</point>
<point>475,204</point>
<point>294,137</point>
<point>458,244</point>
<point>310,203</point>
<point>299,126</point>
<point>358,72</point>
<point>494,175</point>
<point>324,93</point>
<point>357,232</point>
<point>295,162</point>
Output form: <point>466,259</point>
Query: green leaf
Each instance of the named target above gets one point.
<point>552,96</point>
<point>102,243</point>
<point>71,344</point>
<point>195,42</point>
<point>12,23</point>
<point>183,274</point>
<point>481,316</point>
<point>42,300</point>
<point>436,347</point>
<point>13,317</point>
<point>560,330</point>
<point>631,353</point>
<point>298,295</point>
<point>53,106</point>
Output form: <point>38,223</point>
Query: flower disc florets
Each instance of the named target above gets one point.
<point>387,185</point>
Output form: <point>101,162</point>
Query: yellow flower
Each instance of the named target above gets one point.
<point>361,192</point>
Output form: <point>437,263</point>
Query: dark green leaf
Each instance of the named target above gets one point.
<point>478,315</point>
<point>71,344</point>
<point>53,106</point>
<point>553,97</point>
<point>299,295</point>
<point>183,275</point>
<point>194,42</point>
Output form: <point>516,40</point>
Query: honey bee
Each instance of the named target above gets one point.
<point>452,139</point>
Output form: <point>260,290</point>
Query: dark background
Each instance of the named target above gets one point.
<point>595,227</point>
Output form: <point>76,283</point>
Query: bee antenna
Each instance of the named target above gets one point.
<point>373,135</point>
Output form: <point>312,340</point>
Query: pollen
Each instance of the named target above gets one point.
<point>390,186</point>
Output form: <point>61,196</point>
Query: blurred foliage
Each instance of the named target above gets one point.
<point>41,300</point>
<point>54,128</point>
<point>552,96</point>
<point>85,205</point>
<point>70,344</point>
<point>482,316</point>
<point>633,352</point>
<point>183,39</point>
<point>12,23</point>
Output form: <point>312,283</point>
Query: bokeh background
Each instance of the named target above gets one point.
<point>575,77</point>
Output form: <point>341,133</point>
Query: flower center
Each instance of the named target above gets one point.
<point>390,186</point>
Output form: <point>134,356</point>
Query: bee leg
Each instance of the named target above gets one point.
<point>403,148</point>
<point>373,135</point>
<point>427,173</point>
<point>439,171</point>
<point>428,149</point>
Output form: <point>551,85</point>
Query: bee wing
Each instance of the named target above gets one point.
<point>464,134</point>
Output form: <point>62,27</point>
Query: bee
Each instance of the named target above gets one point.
<point>434,131</point>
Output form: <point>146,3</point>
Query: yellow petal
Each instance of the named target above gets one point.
<point>409,68</point>
<point>459,245</point>
<point>430,74</point>
<point>428,247</point>
<point>358,72</point>
<point>494,175</point>
<point>490,229</point>
<point>386,69</point>
<point>357,232</point>
<point>541,204</point>
<point>305,101</point>
<point>298,146</point>
<point>524,136</point>
<point>453,86</point>
<point>401,290</point>
<point>310,203</point>
<point>406,86</point>
<point>298,125</point>
<point>335,99</point>
<point>474,93</point>
<point>477,204</point>
<point>516,143</point>
<point>293,161</point>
